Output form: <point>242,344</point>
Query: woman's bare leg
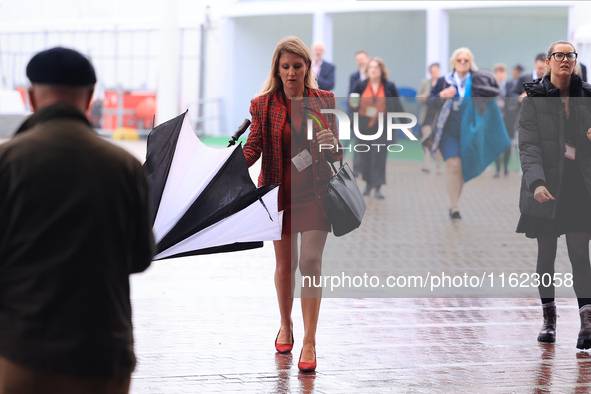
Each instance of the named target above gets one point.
<point>454,180</point>
<point>427,157</point>
<point>438,161</point>
<point>286,256</point>
<point>311,265</point>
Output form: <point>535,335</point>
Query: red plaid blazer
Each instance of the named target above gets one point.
<point>268,120</point>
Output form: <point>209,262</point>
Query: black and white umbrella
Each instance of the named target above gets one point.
<point>204,199</point>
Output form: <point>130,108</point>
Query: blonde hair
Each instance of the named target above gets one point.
<point>296,46</point>
<point>381,65</point>
<point>454,56</point>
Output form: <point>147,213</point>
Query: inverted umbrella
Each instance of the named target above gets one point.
<point>204,199</point>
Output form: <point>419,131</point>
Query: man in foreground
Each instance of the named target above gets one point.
<point>74,224</point>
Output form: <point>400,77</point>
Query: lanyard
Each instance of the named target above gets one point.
<point>298,136</point>
<point>371,90</point>
<point>460,83</point>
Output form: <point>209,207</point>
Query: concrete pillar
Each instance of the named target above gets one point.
<point>578,15</point>
<point>437,39</point>
<point>226,74</point>
<point>322,31</point>
<point>169,45</point>
<point>579,32</point>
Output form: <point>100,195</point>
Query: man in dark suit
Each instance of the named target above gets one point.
<point>538,72</point>
<point>324,70</point>
<point>509,107</point>
<point>510,88</point>
<point>583,72</point>
<point>515,74</point>
<point>361,58</point>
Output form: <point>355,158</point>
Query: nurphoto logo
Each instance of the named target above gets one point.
<point>345,129</point>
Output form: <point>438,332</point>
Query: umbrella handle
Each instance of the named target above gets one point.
<point>240,131</point>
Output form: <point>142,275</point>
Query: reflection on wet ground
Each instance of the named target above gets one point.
<point>207,324</point>
<point>200,329</point>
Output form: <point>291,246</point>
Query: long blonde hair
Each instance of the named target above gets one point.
<point>454,56</point>
<point>297,47</point>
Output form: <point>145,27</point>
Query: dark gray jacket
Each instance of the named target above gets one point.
<point>74,224</point>
<point>541,141</point>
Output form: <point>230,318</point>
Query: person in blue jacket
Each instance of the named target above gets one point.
<point>470,133</point>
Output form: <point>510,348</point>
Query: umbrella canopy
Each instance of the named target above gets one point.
<point>204,199</point>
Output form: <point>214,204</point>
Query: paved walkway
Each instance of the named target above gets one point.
<point>207,324</point>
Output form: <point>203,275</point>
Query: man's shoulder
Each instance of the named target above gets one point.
<point>52,138</point>
<point>108,152</point>
<point>524,78</point>
<point>327,65</point>
<point>361,85</point>
<point>586,88</point>
<point>440,82</point>
<point>425,81</point>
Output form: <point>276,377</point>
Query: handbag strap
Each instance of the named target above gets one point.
<point>334,168</point>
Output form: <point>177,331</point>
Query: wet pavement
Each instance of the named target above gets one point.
<point>207,324</point>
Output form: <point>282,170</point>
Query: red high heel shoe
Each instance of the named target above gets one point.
<point>284,348</point>
<point>307,367</point>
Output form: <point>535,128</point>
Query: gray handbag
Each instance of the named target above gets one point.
<point>344,201</point>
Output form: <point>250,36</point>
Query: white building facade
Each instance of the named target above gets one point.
<point>223,49</point>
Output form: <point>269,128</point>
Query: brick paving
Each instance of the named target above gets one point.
<point>207,324</point>
<point>410,233</point>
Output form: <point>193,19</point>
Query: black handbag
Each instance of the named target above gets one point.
<point>344,201</point>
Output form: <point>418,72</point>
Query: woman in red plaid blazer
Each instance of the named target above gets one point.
<point>301,167</point>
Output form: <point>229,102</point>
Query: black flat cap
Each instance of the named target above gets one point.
<point>61,66</point>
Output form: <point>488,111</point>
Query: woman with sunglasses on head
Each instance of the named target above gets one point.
<point>278,133</point>
<point>555,198</point>
<point>447,115</point>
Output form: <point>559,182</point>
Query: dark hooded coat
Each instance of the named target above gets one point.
<point>542,142</point>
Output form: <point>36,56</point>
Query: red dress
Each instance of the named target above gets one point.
<point>302,210</point>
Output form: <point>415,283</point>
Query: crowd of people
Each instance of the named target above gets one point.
<point>65,313</point>
<point>555,152</point>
